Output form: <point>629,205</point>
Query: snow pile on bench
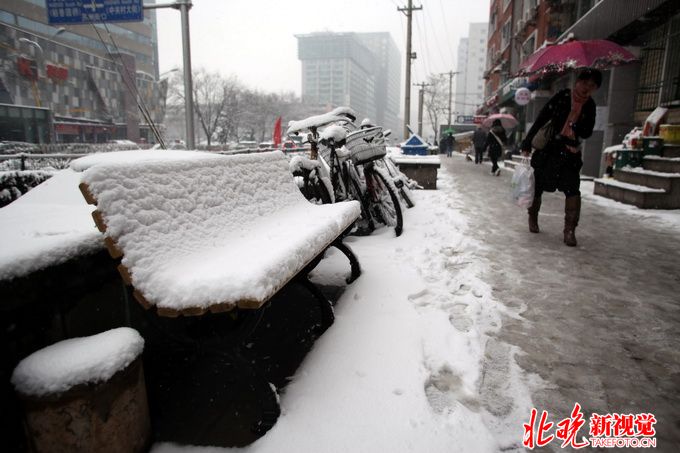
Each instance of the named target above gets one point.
<point>200,233</point>
<point>87,360</point>
<point>47,226</point>
<point>137,156</point>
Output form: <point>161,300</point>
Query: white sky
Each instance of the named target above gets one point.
<point>255,39</point>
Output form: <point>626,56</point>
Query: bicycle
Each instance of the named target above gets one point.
<point>346,163</point>
<point>401,182</point>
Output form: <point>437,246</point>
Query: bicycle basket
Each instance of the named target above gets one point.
<point>366,145</point>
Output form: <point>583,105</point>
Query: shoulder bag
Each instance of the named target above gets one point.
<point>543,136</point>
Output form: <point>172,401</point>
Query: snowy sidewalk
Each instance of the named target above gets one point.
<point>600,324</point>
<point>457,328</point>
<point>408,365</point>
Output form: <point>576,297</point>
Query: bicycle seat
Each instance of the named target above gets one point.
<point>313,122</point>
<point>345,111</point>
<point>333,136</point>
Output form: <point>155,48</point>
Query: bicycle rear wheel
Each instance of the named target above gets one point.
<point>399,180</point>
<point>383,201</point>
<point>365,224</point>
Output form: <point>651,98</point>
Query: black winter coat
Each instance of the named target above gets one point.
<point>479,139</point>
<point>496,145</point>
<point>556,167</point>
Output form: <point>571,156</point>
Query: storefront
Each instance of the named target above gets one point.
<point>24,124</point>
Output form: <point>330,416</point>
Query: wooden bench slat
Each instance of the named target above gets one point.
<point>87,194</point>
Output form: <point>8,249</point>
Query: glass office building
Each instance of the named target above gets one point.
<point>88,77</point>
<point>360,70</point>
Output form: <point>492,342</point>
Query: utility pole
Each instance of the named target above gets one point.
<point>450,74</point>
<point>421,93</point>
<point>408,11</point>
<point>184,6</point>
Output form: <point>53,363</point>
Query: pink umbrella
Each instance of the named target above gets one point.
<point>596,53</point>
<point>507,121</point>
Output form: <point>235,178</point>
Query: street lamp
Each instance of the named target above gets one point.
<point>163,74</point>
<point>32,43</point>
<point>184,6</point>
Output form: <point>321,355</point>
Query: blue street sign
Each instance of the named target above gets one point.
<point>71,12</point>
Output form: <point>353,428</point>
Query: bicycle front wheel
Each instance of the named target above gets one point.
<point>383,201</point>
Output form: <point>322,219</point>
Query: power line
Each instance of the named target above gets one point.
<point>436,39</point>
<point>448,41</point>
<point>126,81</point>
<point>426,50</point>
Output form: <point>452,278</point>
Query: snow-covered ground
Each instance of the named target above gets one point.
<point>404,366</point>
<point>412,362</point>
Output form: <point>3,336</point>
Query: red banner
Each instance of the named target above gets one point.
<point>27,68</point>
<point>57,72</point>
<point>277,133</point>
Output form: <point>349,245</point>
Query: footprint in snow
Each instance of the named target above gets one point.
<point>459,318</point>
<point>444,391</point>
<point>418,295</point>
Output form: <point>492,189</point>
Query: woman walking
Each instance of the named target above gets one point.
<point>495,141</point>
<point>567,118</point>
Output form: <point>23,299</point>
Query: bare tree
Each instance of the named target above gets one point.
<point>436,101</point>
<point>213,95</point>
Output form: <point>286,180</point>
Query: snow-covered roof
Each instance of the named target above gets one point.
<point>68,363</point>
<point>414,140</point>
<point>202,232</point>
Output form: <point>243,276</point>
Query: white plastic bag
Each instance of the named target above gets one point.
<point>523,184</point>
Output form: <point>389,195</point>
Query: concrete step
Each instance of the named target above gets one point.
<point>662,164</point>
<point>670,151</point>
<point>650,178</point>
<point>641,196</point>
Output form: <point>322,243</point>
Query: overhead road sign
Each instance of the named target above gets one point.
<point>74,12</point>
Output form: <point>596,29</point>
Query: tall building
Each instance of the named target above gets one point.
<point>76,83</point>
<point>471,65</point>
<point>360,70</point>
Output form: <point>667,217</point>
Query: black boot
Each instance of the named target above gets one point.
<point>572,212</point>
<point>533,214</point>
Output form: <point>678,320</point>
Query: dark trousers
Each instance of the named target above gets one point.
<point>557,169</point>
<point>479,155</point>
<point>494,162</point>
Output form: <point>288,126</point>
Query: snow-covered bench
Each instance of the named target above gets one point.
<point>201,233</point>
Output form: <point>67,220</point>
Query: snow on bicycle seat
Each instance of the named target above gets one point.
<point>314,121</point>
<point>209,234</point>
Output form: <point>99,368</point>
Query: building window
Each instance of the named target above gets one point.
<point>506,34</point>
<point>7,17</point>
<point>528,46</point>
<point>670,94</point>
<point>651,70</point>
